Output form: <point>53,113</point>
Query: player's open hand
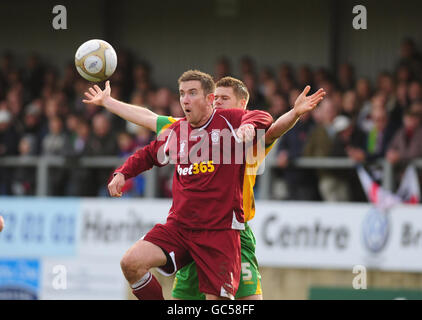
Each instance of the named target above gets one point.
<point>305,104</point>
<point>116,184</point>
<point>96,95</point>
<point>246,132</point>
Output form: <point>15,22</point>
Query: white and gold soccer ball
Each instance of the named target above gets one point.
<point>95,60</point>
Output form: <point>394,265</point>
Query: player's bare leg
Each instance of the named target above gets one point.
<point>252,297</point>
<point>141,257</point>
<point>214,297</point>
<point>207,297</point>
<point>136,263</point>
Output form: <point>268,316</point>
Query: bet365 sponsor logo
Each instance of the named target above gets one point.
<point>196,168</point>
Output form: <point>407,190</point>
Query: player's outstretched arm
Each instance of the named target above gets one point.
<point>136,114</point>
<point>153,154</point>
<point>302,105</point>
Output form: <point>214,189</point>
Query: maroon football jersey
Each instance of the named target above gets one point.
<point>209,168</point>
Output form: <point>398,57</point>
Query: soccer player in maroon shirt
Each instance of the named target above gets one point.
<point>206,215</point>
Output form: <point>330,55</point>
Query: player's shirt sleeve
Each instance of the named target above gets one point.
<point>258,118</point>
<point>154,154</point>
<point>163,122</point>
<point>236,117</point>
<point>147,157</point>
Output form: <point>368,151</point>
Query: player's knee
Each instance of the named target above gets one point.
<point>125,264</point>
<point>130,266</point>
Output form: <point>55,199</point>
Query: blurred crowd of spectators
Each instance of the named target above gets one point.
<point>41,113</point>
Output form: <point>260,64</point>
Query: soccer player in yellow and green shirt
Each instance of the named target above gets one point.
<point>229,93</point>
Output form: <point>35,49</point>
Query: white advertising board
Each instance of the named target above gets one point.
<point>338,236</point>
<point>109,227</point>
<point>47,242</point>
<point>82,278</point>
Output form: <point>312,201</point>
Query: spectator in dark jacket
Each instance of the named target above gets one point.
<point>8,147</point>
<point>406,144</point>
<point>102,142</point>
<point>301,184</point>
<point>23,182</point>
<point>348,142</point>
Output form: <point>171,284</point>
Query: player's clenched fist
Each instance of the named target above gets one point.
<point>116,185</point>
<point>246,132</point>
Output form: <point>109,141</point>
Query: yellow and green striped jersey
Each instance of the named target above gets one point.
<point>249,179</point>
<point>163,122</point>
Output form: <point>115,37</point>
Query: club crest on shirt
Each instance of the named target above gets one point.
<point>215,136</point>
<point>182,152</point>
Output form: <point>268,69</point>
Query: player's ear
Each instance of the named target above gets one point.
<point>210,98</point>
<point>243,103</point>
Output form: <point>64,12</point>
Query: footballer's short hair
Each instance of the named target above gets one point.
<point>239,88</point>
<point>207,83</point>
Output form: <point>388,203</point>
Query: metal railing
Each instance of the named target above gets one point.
<point>43,163</point>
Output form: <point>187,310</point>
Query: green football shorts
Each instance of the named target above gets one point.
<point>186,284</point>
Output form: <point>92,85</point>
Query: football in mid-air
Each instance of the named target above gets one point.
<point>95,60</point>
